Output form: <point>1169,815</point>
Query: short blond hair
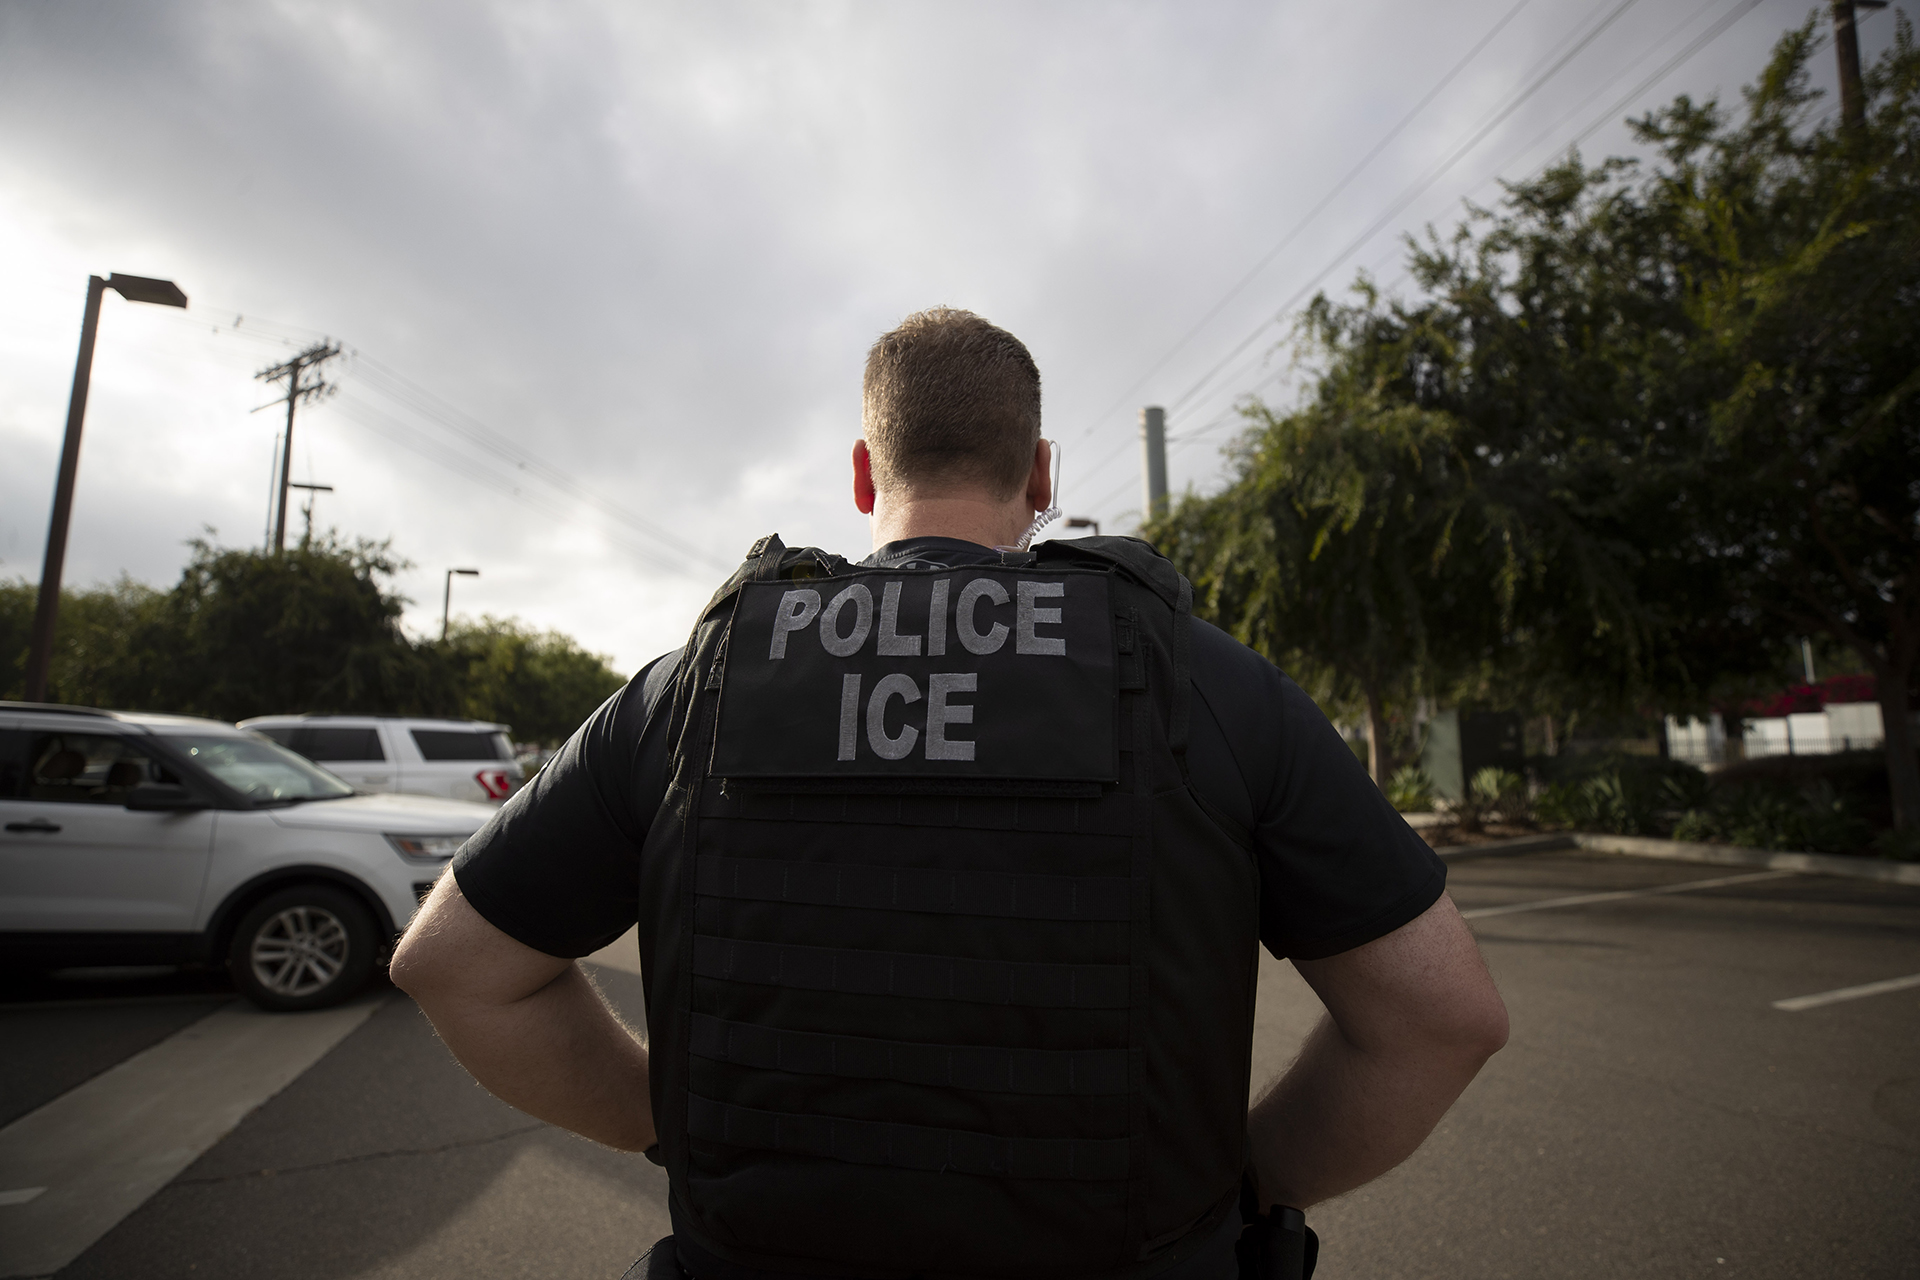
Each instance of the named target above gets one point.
<point>951,399</point>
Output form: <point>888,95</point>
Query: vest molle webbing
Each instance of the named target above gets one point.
<point>949,972</point>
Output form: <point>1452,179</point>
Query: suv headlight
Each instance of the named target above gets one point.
<point>440,847</point>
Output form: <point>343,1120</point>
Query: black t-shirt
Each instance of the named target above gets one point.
<point>558,867</point>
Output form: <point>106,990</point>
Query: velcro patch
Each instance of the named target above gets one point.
<point>921,674</point>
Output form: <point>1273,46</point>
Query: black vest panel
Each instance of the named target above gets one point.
<point>949,972</point>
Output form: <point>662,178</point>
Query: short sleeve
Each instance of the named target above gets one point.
<point>1339,867</point>
<point>558,867</point>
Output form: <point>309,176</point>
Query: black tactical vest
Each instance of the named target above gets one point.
<point>949,971</point>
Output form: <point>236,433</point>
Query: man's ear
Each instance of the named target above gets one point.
<point>862,478</point>
<point>1040,478</point>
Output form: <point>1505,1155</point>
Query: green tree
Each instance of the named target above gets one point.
<point>1680,424</point>
<point>1333,551</point>
<point>542,683</point>
<point>312,629</point>
<point>1391,538</point>
<point>1804,286</point>
<point>308,629</point>
<point>102,644</point>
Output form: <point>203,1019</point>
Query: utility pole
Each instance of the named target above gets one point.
<point>1846,47</point>
<point>306,508</point>
<point>298,389</point>
<point>446,601</point>
<point>1153,459</point>
<point>46,613</point>
<point>273,488</point>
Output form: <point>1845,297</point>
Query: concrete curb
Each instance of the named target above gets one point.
<point>1726,855</point>
<point>1546,842</point>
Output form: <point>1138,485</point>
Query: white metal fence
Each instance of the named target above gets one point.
<point>1842,726</point>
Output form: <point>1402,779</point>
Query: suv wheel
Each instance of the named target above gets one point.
<point>302,948</point>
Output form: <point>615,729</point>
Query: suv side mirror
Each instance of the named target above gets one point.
<point>164,796</point>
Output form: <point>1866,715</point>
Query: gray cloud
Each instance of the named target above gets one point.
<point>647,245</point>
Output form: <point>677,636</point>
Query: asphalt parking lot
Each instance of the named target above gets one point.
<point>1655,1114</point>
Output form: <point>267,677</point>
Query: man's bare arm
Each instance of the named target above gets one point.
<point>527,1025</point>
<point>1412,1018</point>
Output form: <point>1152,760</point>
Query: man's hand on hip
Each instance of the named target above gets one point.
<point>1413,1016</point>
<point>527,1025</point>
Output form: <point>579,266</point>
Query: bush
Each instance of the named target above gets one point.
<point>1622,795</point>
<point>1410,790</point>
<point>1492,791</point>
<point>1815,819</point>
<point>1504,791</point>
<point>1598,803</point>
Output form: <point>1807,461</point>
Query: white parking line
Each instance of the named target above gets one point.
<point>1865,989</point>
<point>1582,899</point>
<point>100,1150</point>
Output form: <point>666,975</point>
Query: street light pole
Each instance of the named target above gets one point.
<point>446,600</point>
<point>46,610</point>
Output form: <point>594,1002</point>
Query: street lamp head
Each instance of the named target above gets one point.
<point>164,293</point>
<point>471,573</point>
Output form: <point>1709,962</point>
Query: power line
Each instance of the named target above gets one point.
<point>1410,194</point>
<point>1719,28</point>
<point>403,392</point>
<point>1662,42</point>
<point>1699,42</point>
<point>1554,61</point>
<point>1712,33</point>
<point>1607,115</point>
<point>1287,239</point>
<point>411,395</point>
<point>387,426</point>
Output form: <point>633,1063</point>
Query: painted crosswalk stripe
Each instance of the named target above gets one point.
<point>1617,895</point>
<point>96,1153</point>
<point>1797,1003</point>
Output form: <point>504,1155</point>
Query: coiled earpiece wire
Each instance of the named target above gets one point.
<point>1047,517</point>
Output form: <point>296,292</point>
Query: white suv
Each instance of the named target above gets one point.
<point>150,839</point>
<point>458,759</point>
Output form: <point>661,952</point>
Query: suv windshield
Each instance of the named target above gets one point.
<point>264,772</point>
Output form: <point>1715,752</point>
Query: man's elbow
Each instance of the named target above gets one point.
<point>414,967</point>
<point>1464,1029</point>
<point>1478,1028</point>
<point>424,963</point>
<point>1493,1028</point>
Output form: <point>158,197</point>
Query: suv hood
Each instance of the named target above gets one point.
<point>397,814</point>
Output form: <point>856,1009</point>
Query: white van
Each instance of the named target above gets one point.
<point>456,759</point>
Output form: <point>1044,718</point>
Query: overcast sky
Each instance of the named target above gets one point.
<point>606,273</point>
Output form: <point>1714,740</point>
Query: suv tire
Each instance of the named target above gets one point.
<point>302,948</point>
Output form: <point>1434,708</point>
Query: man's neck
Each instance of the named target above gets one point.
<point>981,520</point>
